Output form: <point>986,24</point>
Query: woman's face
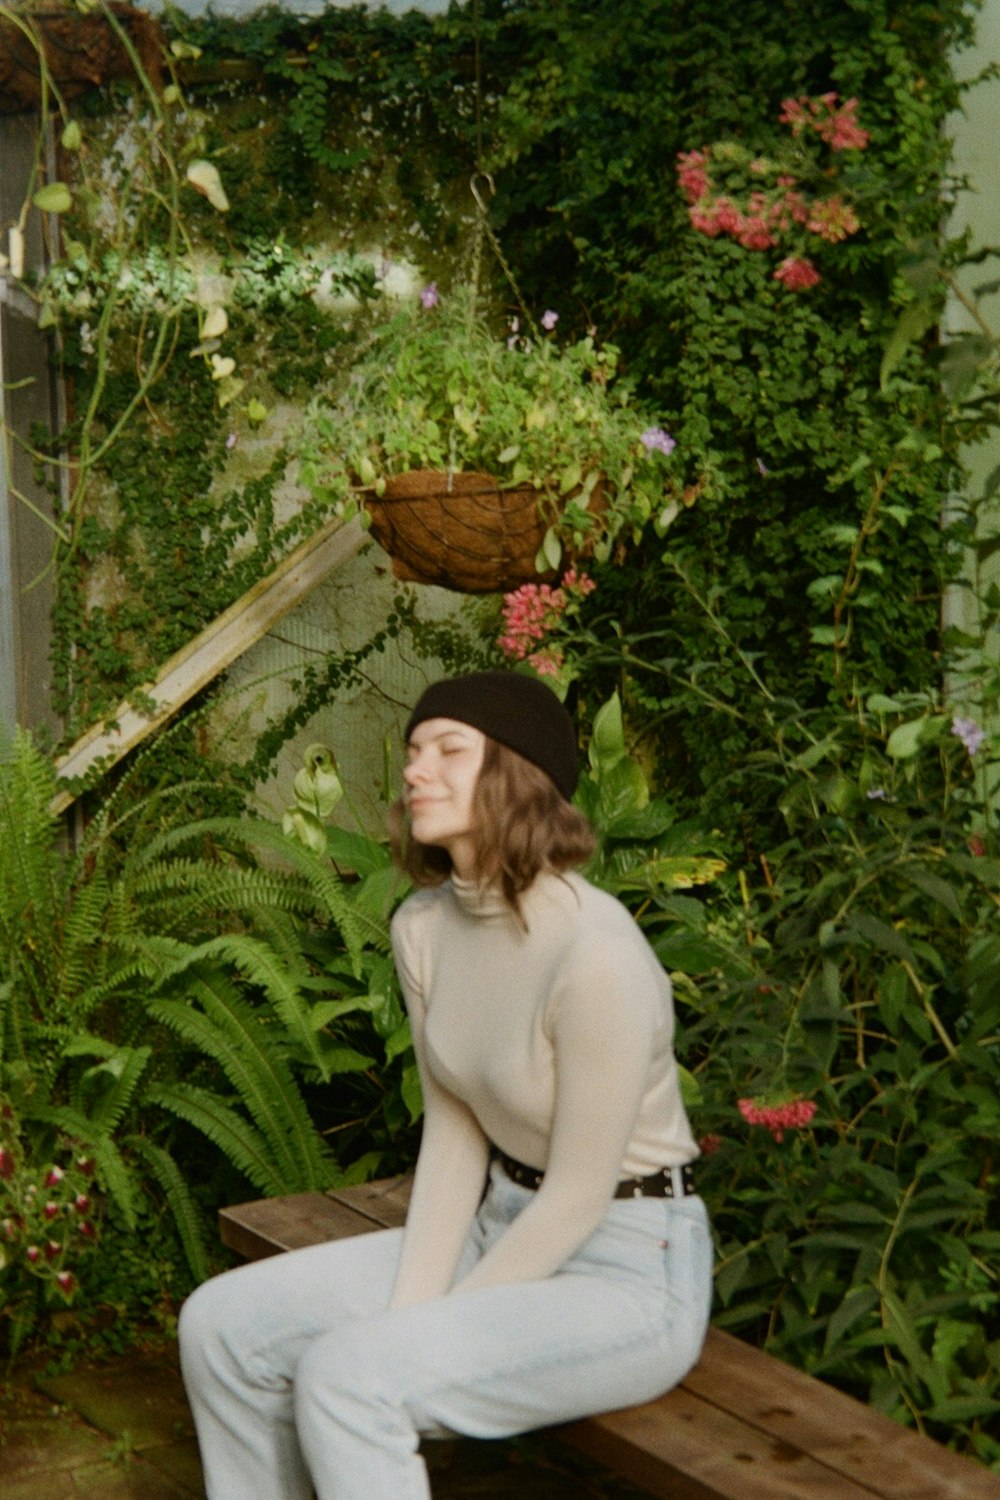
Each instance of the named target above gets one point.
<point>444,758</point>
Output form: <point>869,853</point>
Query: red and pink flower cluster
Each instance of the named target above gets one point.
<point>45,1217</point>
<point>835,124</point>
<point>792,1115</point>
<point>532,612</point>
<point>769,215</point>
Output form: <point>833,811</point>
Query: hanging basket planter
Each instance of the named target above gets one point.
<point>459,530</point>
<point>80,51</point>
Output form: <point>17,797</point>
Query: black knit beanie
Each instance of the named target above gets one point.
<point>517,711</point>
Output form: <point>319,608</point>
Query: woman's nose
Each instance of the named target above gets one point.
<point>415,770</point>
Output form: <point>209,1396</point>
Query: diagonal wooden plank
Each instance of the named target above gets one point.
<point>216,648</point>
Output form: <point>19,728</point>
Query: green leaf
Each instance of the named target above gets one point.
<point>913,323</point>
<point>549,554</point>
<point>607,739</point>
<point>932,885</point>
<point>54,198</point>
<point>904,741</point>
<point>880,935</point>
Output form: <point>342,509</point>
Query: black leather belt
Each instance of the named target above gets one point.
<point>668,1182</point>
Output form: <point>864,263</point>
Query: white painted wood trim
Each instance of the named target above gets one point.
<point>218,645</point>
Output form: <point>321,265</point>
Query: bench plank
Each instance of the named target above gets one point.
<point>860,1442</point>
<point>741,1426</point>
<point>681,1447</point>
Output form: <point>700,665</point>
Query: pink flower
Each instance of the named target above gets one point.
<point>87,1230</point>
<point>692,175</point>
<point>549,319</point>
<point>580,584</point>
<point>792,1115</point>
<point>7,1165</point>
<point>797,273</point>
<point>709,1143</point>
<point>33,1254</point>
<point>754,235</point>
<point>53,1250</point>
<point>56,1175</point>
<point>728,216</point>
<point>705,220</point>
<point>976,846</point>
<point>832,219</point>
<point>66,1282</point>
<point>547,663</point>
<point>842,130</point>
<point>81,1203</point>
<point>51,1210</point>
<point>430,297</point>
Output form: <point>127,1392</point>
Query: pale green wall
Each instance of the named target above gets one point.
<point>975,133</point>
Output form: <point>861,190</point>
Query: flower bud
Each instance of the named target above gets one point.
<point>51,1210</point>
<point>66,1282</point>
<point>7,1164</point>
<point>56,1175</point>
<point>81,1203</point>
<point>87,1230</point>
<point>33,1253</point>
<point>53,1250</point>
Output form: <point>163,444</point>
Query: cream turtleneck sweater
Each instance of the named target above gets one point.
<point>554,1043</point>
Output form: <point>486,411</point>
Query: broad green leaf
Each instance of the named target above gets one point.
<point>904,741</point>
<point>570,478</point>
<point>607,740</point>
<point>549,554</point>
<point>690,1088</point>
<point>813,754</point>
<point>913,323</point>
<point>54,198</point>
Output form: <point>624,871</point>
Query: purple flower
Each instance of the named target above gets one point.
<point>429,296</point>
<point>549,319</point>
<point>231,440</point>
<point>969,732</point>
<point>657,440</point>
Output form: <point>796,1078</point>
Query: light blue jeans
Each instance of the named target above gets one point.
<point>301,1380</point>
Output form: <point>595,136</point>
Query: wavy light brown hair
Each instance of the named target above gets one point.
<point>523,825</point>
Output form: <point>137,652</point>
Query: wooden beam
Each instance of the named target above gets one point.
<point>217,647</point>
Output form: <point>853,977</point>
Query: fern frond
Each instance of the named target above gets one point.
<point>125,1067</point>
<point>229,1031</point>
<point>234,1136</point>
<point>258,962</point>
<point>188,886</point>
<point>187,1218</point>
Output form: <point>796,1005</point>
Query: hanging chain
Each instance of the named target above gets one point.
<point>483,228</point>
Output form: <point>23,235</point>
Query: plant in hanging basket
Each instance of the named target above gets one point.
<point>486,462</point>
<point>78,46</point>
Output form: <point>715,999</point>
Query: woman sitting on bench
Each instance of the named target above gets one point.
<point>555,1260</point>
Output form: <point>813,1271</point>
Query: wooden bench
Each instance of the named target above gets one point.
<point>742,1426</point>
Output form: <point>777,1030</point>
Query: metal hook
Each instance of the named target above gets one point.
<point>474,180</point>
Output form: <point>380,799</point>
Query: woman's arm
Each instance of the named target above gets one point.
<point>602,1025</point>
<point>451,1166</point>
